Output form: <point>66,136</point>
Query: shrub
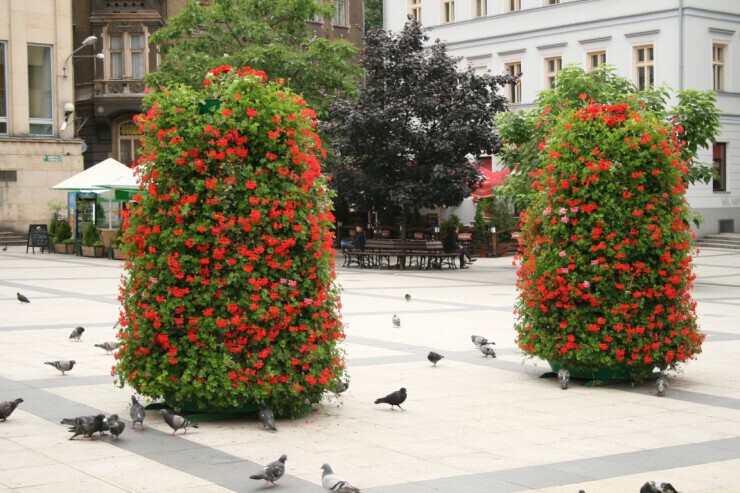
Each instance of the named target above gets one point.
<point>91,235</point>
<point>229,297</point>
<point>62,232</point>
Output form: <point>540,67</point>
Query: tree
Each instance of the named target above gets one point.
<point>404,142</point>
<point>373,14</point>
<point>522,131</point>
<point>269,35</point>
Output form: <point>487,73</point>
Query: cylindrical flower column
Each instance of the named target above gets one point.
<point>228,296</point>
<point>605,252</point>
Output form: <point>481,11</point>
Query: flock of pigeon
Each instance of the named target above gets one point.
<point>87,426</point>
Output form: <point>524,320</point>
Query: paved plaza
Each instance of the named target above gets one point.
<point>471,424</point>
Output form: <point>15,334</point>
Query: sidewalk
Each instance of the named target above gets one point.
<point>471,424</point>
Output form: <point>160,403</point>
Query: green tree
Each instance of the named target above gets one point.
<point>373,14</point>
<point>523,131</point>
<point>269,35</point>
<point>404,142</point>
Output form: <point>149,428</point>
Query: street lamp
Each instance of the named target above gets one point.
<point>90,40</point>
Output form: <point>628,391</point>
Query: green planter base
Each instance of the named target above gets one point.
<point>598,376</point>
<point>192,412</point>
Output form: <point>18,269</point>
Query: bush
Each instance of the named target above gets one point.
<point>452,220</point>
<point>62,231</point>
<point>229,297</point>
<point>91,235</point>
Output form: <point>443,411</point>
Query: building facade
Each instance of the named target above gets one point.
<point>685,44</point>
<point>38,147</point>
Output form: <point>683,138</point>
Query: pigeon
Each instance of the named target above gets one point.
<point>394,398</point>
<point>407,297</point>
<point>434,357</point>
<point>22,298</point>
<point>653,487</point>
<point>175,421</point>
<point>487,351</point>
<point>7,408</point>
<point>341,387</point>
<point>662,386</point>
<point>396,321</point>
<point>62,364</point>
<point>108,346</point>
<point>138,413</point>
<point>480,341</point>
<point>115,425</point>
<point>266,416</point>
<point>563,376</point>
<point>272,471</point>
<point>5,248</point>
<point>77,333</point>
<point>335,484</point>
<point>85,425</point>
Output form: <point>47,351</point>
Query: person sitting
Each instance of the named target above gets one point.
<point>450,245</point>
<point>359,241</point>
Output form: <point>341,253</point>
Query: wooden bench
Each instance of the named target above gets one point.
<point>401,254</point>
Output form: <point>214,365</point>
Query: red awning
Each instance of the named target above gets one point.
<point>492,179</point>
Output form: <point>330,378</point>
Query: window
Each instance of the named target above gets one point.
<point>415,10</point>
<point>514,91</point>
<point>129,140</point>
<point>719,53</point>
<point>39,90</point>
<point>448,11</point>
<point>3,91</point>
<point>480,9</point>
<point>127,55</point>
<point>513,5</point>
<point>719,162</point>
<point>644,67</point>
<point>553,65</point>
<point>340,16</point>
<point>596,59</point>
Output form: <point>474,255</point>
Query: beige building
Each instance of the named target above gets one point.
<point>37,148</point>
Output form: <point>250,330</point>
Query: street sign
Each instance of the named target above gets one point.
<point>52,158</point>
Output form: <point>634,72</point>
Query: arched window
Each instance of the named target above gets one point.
<point>129,139</point>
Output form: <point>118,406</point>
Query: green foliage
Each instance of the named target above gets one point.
<point>451,221</point>
<point>373,14</point>
<point>481,233</point>
<point>403,144</point>
<point>230,295</point>
<point>269,35</point>
<point>91,235</point>
<point>606,266</point>
<point>501,210</point>
<point>575,88</point>
<point>62,231</point>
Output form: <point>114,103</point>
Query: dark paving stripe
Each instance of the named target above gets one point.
<point>204,462</point>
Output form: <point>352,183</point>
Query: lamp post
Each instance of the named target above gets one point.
<point>88,41</point>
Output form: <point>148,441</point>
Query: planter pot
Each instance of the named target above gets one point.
<point>599,376</point>
<point>64,248</point>
<point>93,251</point>
<point>195,412</point>
<point>117,253</point>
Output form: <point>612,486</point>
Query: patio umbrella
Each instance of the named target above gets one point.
<point>106,175</point>
<point>492,179</point>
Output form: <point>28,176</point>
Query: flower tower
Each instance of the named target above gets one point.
<point>605,252</point>
<point>229,296</point>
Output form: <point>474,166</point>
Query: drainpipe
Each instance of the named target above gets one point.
<point>680,45</point>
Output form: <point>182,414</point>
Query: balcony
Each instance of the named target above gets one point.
<point>116,6</point>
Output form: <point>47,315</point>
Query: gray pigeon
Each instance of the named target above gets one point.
<point>661,386</point>
<point>653,487</point>
<point>408,297</point>
<point>335,484</point>
<point>272,471</point>
<point>434,357</point>
<point>396,321</point>
<point>85,425</point>
<point>5,248</point>
<point>108,346</point>
<point>77,333</point>
<point>175,421</point>
<point>564,376</point>
<point>487,351</point>
<point>394,399</point>
<point>138,413</point>
<point>480,341</point>
<point>115,425</point>
<point>62,364</point>
<point>7,408</point>
<point>22,298</point>
<point>266,416</point>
